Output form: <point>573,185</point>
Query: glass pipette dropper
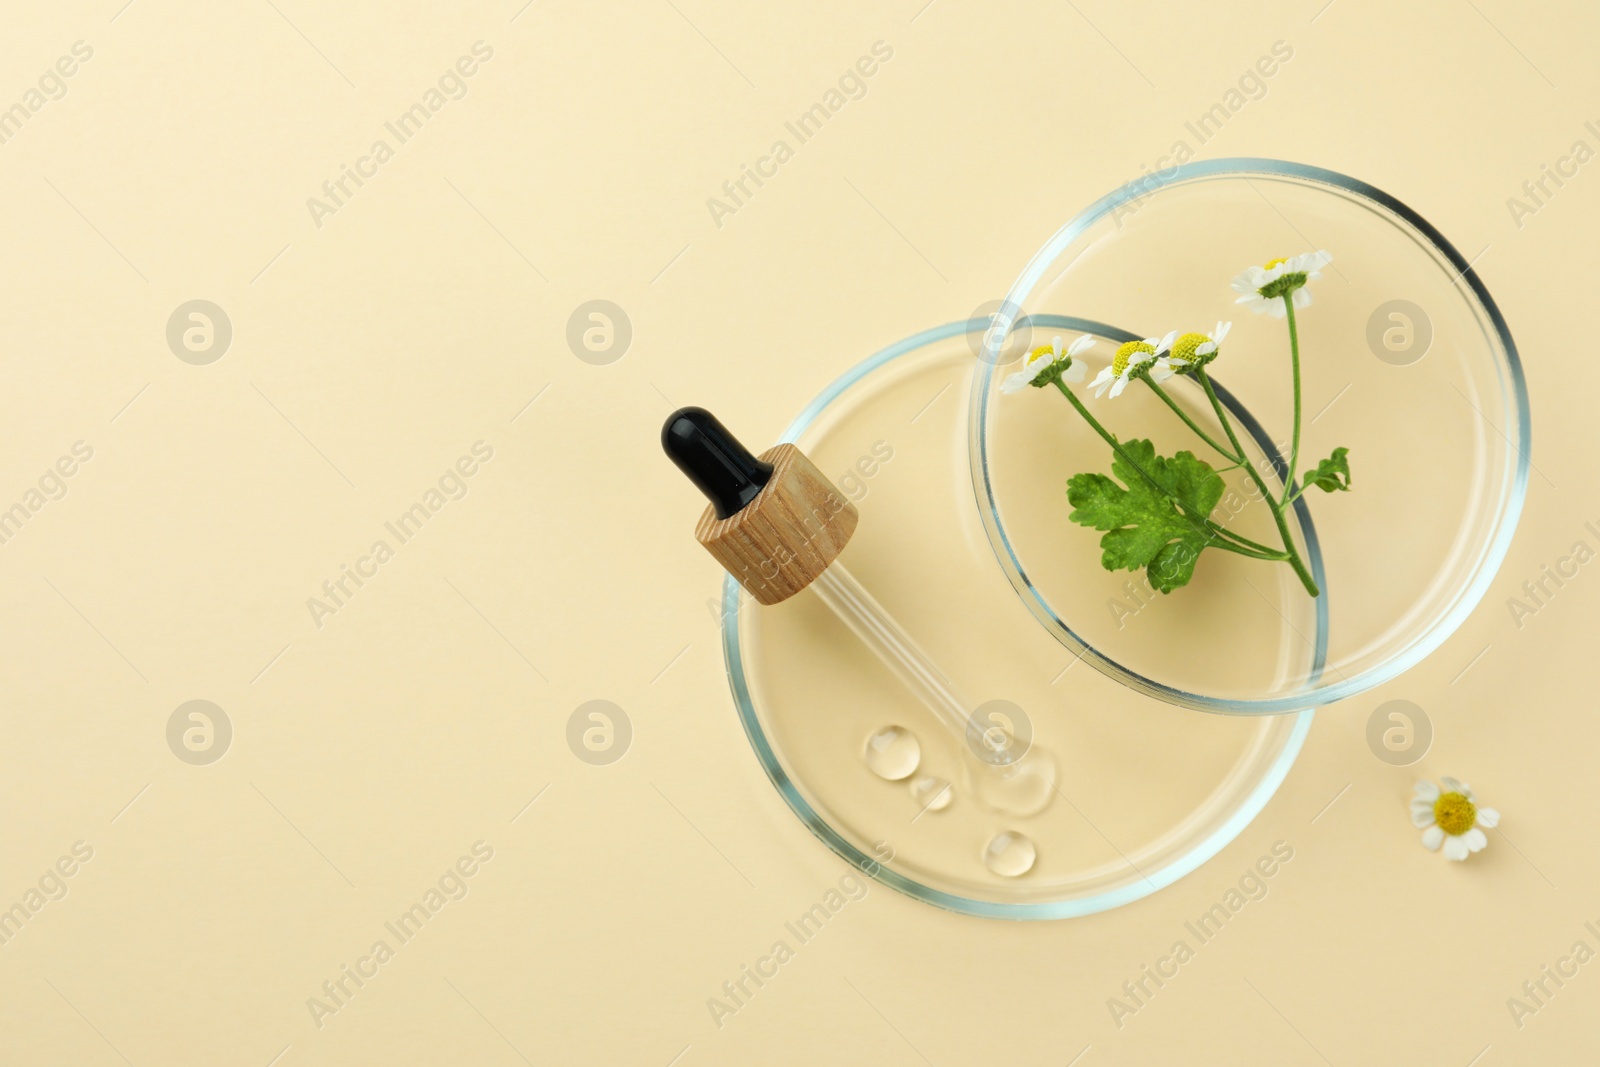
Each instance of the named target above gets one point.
<point>777,524</point>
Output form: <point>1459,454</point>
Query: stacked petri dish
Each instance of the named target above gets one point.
<point>965,537</point>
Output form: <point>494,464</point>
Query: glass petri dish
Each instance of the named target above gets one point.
<point>1147,791</point>
<point>1406,362</point>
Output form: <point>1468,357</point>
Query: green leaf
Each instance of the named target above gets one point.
<point>1332,475</point>
<point>1142,523</point>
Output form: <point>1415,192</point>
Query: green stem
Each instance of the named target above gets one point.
<point>1294,360</point>
<point>1187,421</point>
<point>1270,557</point>
<point>1256,549</point>
<point>1266,494</point>
<point>1220,537</point>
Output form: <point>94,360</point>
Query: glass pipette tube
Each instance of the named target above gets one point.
<point>1006,773</point>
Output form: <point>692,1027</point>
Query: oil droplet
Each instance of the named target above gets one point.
<point>1010,854</point>
<point>931,792</point>
<point>893,753</point>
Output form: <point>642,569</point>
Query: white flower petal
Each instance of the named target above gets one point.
<point>1016,382</point>
<point>1262,275</point>
<point>1488,817</point>
<point>1260,304</point>
<point>1455,848</point>
<point>1476,839</point>
<point>1166,342</point>
<point>1275,307</point>
<point>1221,331</point>
<point>1082,344</point>
<point>1421,815</point>
<point>1453,785</point>
<point>1250,279</point>
<point>1119,385</point>
<point>1055,346</point>
<point>1162,371</point>
<point>1427,791</point>
<point>1205,348</point>
<point>1308,262</point>
<point>1432,838</point>
<point>1075,372</point>
<point>1302,297</point>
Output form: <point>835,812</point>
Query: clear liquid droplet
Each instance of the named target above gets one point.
<point>1010,854</point>
<point>893,753</point>
<point>931,792</point>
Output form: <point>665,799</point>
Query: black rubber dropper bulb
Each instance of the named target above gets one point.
<point>714,460</point>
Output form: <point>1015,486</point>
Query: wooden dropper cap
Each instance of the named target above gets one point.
<point>775,522</point>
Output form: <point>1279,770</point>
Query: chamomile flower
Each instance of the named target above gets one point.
<point>1134,359</point>
<point>1190,351</point>
<point>1048,362</point>
<point>1262,288</point>
<point>1451,817</point>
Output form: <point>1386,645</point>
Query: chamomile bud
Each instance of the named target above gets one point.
<point>1196,349</point>
<point>1050,363</point>
<point>1133,359</point>
<point>1264,289</point>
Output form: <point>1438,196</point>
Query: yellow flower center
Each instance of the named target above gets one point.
<point>1454,813</point>
<point>1269,264</point>
<point>1184,347</point>
<point>1119,362</point>
<point>1042,352</point>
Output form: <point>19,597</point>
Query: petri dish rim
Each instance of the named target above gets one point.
<point>1513,488</point>
<point>1153,879</point>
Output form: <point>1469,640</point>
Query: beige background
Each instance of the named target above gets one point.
<point>426,314</point>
